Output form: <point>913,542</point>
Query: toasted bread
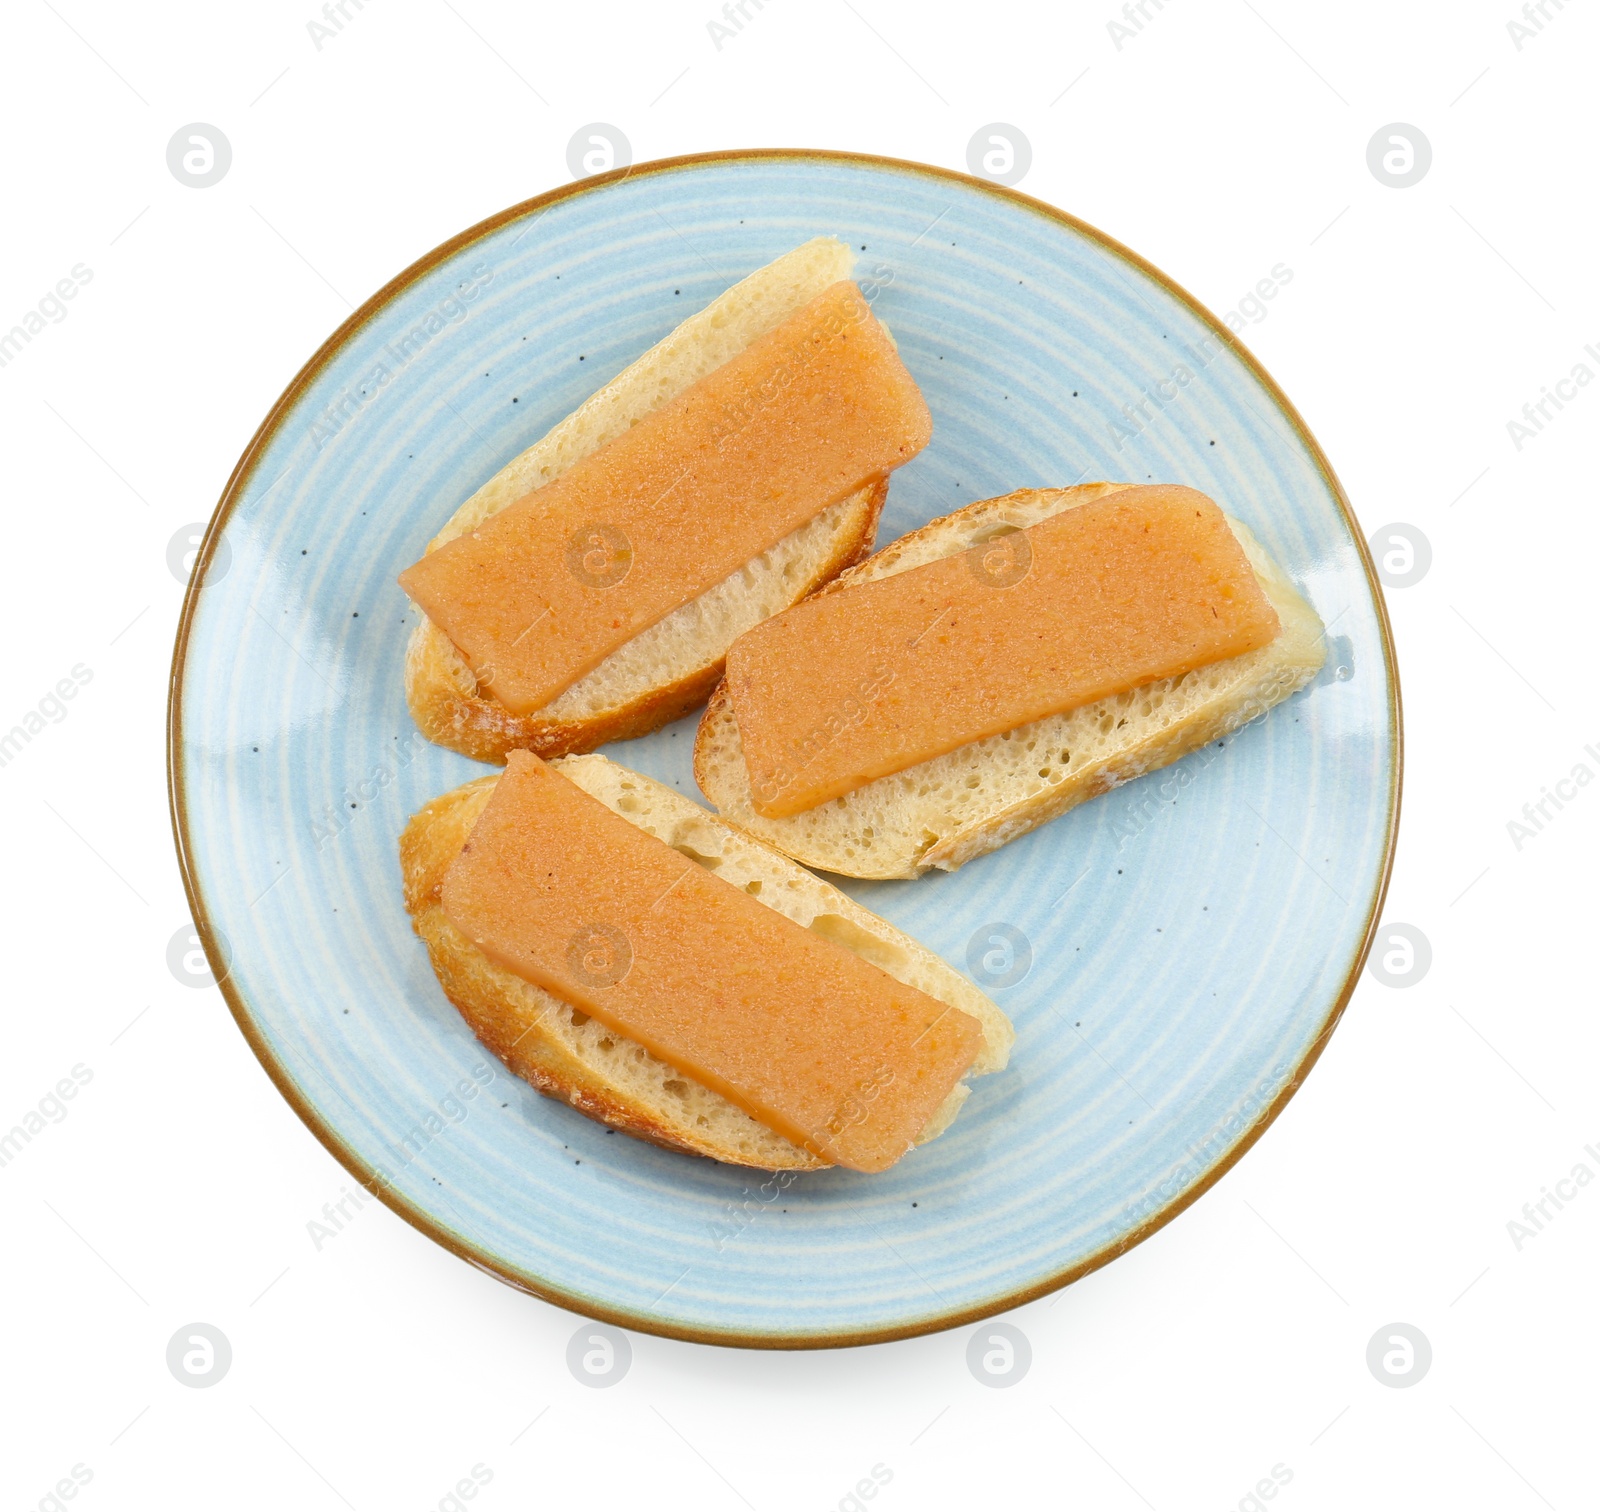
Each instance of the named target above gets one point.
<point>670,668</point>
<point>944,812</point>
<point>574,1058</point>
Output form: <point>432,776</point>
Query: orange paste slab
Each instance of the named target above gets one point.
<point>829,1051</point>
<point>545,590</point>
<point>875,677</point>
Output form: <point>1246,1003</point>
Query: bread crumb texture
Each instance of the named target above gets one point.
<point>944,812</point>
<point>572,1057</point>
<point>670,668</point>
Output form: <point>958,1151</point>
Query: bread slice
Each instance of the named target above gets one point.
<point>944,812</point>
<point>669,669</point>
<point>576,1059</point>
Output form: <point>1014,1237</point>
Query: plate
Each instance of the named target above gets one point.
<point>1174,955</point>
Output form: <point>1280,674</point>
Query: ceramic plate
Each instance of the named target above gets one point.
<point>1173,955</point>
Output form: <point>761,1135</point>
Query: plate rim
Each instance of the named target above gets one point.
<point>426,1223</point>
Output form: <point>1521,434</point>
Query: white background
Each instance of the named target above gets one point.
<point>1223,138</point>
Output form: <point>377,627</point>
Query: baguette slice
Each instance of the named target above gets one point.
<point>576,1059</point>
<point>944,812</point>
<point>669,669</point>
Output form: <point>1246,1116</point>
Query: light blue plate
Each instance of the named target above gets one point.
<point>1188,941</point>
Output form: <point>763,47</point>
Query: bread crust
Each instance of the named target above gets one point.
<point>440,688</point>
<point>529,1031</point>
<point>452,711</point>
<point>1290,662</point>
<point>510,1024</point>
